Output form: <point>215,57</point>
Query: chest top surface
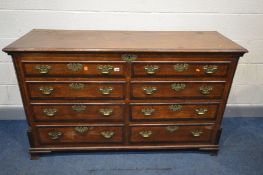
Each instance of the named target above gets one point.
<point>123,41</point>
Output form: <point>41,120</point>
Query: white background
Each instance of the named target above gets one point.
<point>240,20</point>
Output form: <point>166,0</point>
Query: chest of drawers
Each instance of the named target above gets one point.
<point>122,90</point>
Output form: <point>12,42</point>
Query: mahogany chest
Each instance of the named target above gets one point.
<point>123,90</point>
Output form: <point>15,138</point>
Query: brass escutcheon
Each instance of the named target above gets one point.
<point>81,129</point>
<point>106,112</point>
<point>50,112</point>
<point>105,69</point>
<point>149,90</point>
<point>181,67</point>
<point>145,134</point>
<point>46,90</point>
<point>196,133</point>
<point>79,108</point>
<point>129,57</point>
<point>75,67</point>
<point>54,135</point>
<point>178,86</point>
<point>210,69</point>
<point>151,69</point>
<point>175,108</point>
<point>105,90</point>
<point>107,134</point>
<point>147,111</point>
<point>43,69</point>
<point>201,111</point>
<point>205,90</point>
<point>76,86</point>
<point>171,128</point>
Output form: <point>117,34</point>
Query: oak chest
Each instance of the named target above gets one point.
<point>123,90</point>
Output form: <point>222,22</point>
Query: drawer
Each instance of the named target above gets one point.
<point>78,112</point>
<point>80,134</point>
<point>173,111</point>
<point>171,133</point>
<point>193,69</point>
<point>79,69</point>
<point>177,90</point>
<point>88,90</point>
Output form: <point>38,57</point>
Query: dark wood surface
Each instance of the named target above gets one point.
<point>65,112</point>
<point>194,69</point>
<point>87,69</point>
<point>90,90</point>
<point>181,134</point>
<point>123,41</point>
<point>165,91</point>
<point>163,112</point>
<point>69,135</point>
<point>127,98</point>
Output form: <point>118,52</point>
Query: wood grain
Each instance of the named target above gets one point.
<point>66,112</point>
<point>194,69</point>
<point>182,134</point>
<point>162,112</point>
<point>69,135</point>
<point>62,90</point>
<point>165,91</point>
<point>60,69</point>
<point>123,41</point>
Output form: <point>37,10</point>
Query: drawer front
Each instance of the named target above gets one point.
<point>177,90</point>
<point>173,111</point>
<point>80,134</point>
<point>171,133</point>
<point>78,112</point>
<point>79,69</point>
<point>74,90</point>
<point>159,69</point>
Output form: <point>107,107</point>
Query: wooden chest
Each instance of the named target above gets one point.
<point>123,90</point>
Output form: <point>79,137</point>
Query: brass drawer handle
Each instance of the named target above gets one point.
<point>43,69</point>
<point>129,57</point>
<point>46,90</point>
<point>107,134</point>
<point>145,134</point>
<point>106,90</point>
<point>50,112</point>
<point>149,90</point>
<point>54,135</point>
<point>178,86</point>
<point>81,129</point>
<point>105,69</point>
<point>181,67</point>
<point>76,86</point>
<point>151,69</point>
<point>196,133</point>
<point>147,111</point>
<point>210,69</point>
<point>205,90</point>
<point>75,67</point>
<point>79,108</point>
<point>171,129</point>
<point>201,111</point>
<point>106,112</point>
<point>175,108</point>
